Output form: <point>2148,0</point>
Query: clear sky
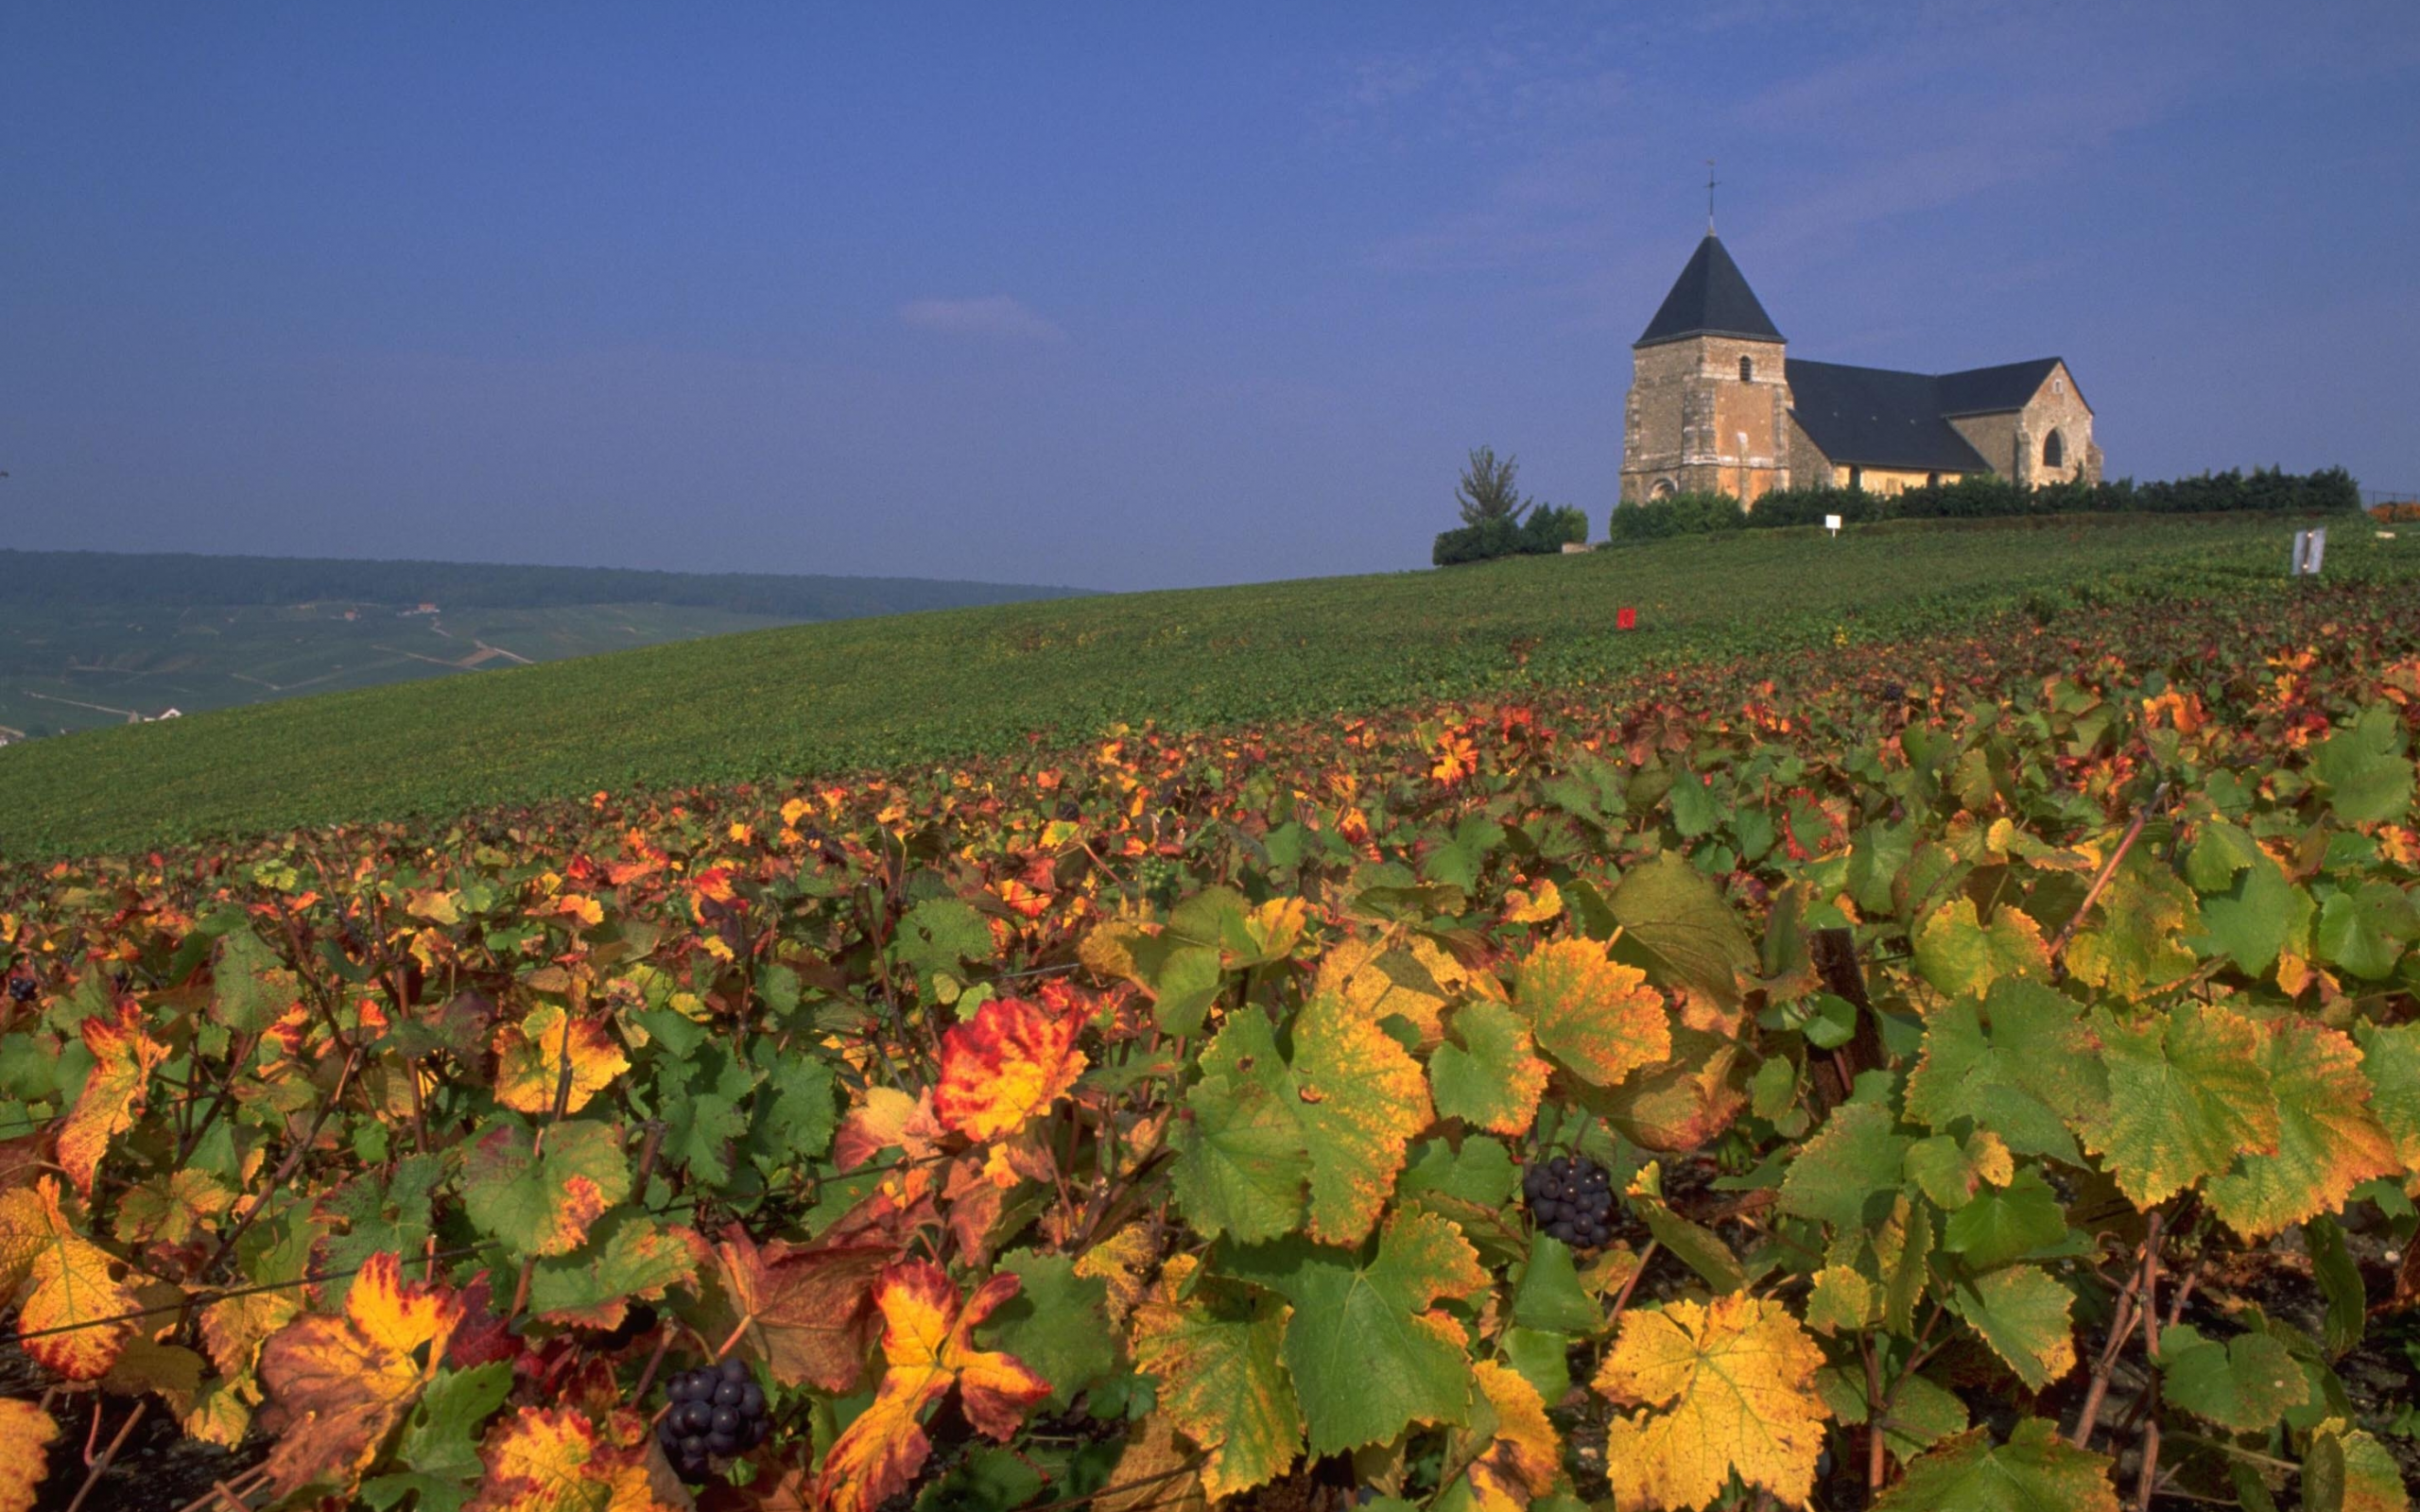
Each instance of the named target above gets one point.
<point>1127,295</point>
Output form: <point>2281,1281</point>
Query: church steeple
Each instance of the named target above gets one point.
<point>1711,297</point>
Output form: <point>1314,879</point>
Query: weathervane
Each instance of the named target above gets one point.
<point>1709,197</point>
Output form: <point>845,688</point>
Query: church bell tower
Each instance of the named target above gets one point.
<point>1709,402</point>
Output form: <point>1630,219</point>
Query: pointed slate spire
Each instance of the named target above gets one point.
<point>1710,298</point>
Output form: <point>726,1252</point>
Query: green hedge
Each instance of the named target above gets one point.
<point>2265,489</point>
<point>1542,534</point>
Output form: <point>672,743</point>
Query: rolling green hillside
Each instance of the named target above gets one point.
<point>877,692</point>
<point>90,639</point>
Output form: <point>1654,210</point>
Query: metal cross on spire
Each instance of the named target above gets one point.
<point>1709,197</point>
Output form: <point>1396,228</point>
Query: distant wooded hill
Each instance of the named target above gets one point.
<point>181,579</point>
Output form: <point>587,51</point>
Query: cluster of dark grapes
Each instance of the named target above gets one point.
<point>717,1410</point>
<point>22,988</point>
<point>1571,1199</point>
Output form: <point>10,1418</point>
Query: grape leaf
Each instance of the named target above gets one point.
<point>627,1257</point>
<point>927,1344</point>
<point>556,1459</point>
<point>440,1446</point>
<point>1723,1387</point>
<point>541,1202</point>
<point>2187,1095</point>
<point>1849,1170</point>
<point>1998,1227</point>
<point>1489,1079</point>
<point>2137,947</point>
<point>2018,1062</point>
<point>530,1057</point>
<point>1317,1145</point>
<point>2362,769</point>
<point>2245,1383</point>
<point>1957,953</point>
<point>2036,1470</point>
<point>1669,909</point>
<point>344,1381</point>
<point>2364,931</point>
<point>1058,1323</point>
<point>1519,1455</point>
<point>2391,1063</point>
<point>2022,1314</point>
<point>251,988</point>
<point>1006,1068</point>
<point>123,1056</point>
<point>1368,1351</point>
<point>2249,908</point>
<point>61,1280</point>
<point>2328,1141</point>
<point>2345,1470</point>
<point>1593,1015</point>
<point>807,1313</point>
<point>25,1430</point>
<point>1216,1351</point>
<point>1547,1292</point>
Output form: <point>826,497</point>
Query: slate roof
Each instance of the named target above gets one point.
<point>1710,298</point>
<point>1879,417</point>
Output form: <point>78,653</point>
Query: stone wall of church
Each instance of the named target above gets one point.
<point>2013,442</point>
<point>1688,413</point>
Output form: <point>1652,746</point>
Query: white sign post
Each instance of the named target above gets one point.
<point>2310,549</point>
<point>1832,524</point>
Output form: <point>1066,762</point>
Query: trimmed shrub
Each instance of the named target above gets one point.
<point>1679,514</point>
<point>1549,525</point>
<point>1542,534</point>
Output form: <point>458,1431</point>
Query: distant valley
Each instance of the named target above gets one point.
<point>90,639</point>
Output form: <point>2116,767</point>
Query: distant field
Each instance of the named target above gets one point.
<point>90,639</point>
<point>880,692</point>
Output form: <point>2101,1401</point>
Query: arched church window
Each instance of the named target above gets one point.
<point>2054,451</point>
<point>1663,488</point>
<point>1747,370</point>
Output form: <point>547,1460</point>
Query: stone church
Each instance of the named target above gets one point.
<point>1718,405</point>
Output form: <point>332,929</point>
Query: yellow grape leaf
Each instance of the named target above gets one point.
<point>1522,906</point>
<point>2328,1139</point>
<point>339,1384</point>
<point>1721,1387</point>
<point>554,1459</point>
<point>1274,927</point>
<point>1957,953</point>
<point>1378,983</point>
<point>928,1344</point>
<point>1006,1068</point>
<point>123,1058</point>
<point>1216,1352</point>
<point>1523,1455</point>
<point>1594,1015</point>
<point>62,1282</point>
<point>530,1060</point>
<point>25,1430</point>
<point>888,1119</point>
<point>1154,1473</point>
<point>1120,1262</point>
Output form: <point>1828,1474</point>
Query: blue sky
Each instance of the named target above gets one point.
<point>1127,296</point>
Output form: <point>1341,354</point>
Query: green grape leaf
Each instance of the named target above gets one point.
<point>628,1257</point>
<point>1669,910</point>
<point>1349,1104</point>
<point>1369,1353</point>
<point>2250,910</point>
<point>1846,1175</point>
<point>937,935</point>
<point>1481,1173</point>
<point>2188,1094</point>
<point>2245,1383</point>
<point>1547,1293</point>
<point>1241,1156</point>
<point>1491,1079</point>
<point>542,1203</point>
<point>1057,1325</point>
<point>2364,931</point>
<point>2019,1063</point>
<point>2036,1470</point>
<point>2362,769</point>
<point>1998,1227</point>
<point>2022,1314</point>
<point>441,1441</point>
<point>2328,1141</point>
<point>2347,1470</point>
<point>2391,1062</point>
<point>390,1213</point>
<point>251,986</point>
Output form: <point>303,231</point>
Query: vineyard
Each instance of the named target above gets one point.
<point>1975,1065</point>
<point>972,684</point>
